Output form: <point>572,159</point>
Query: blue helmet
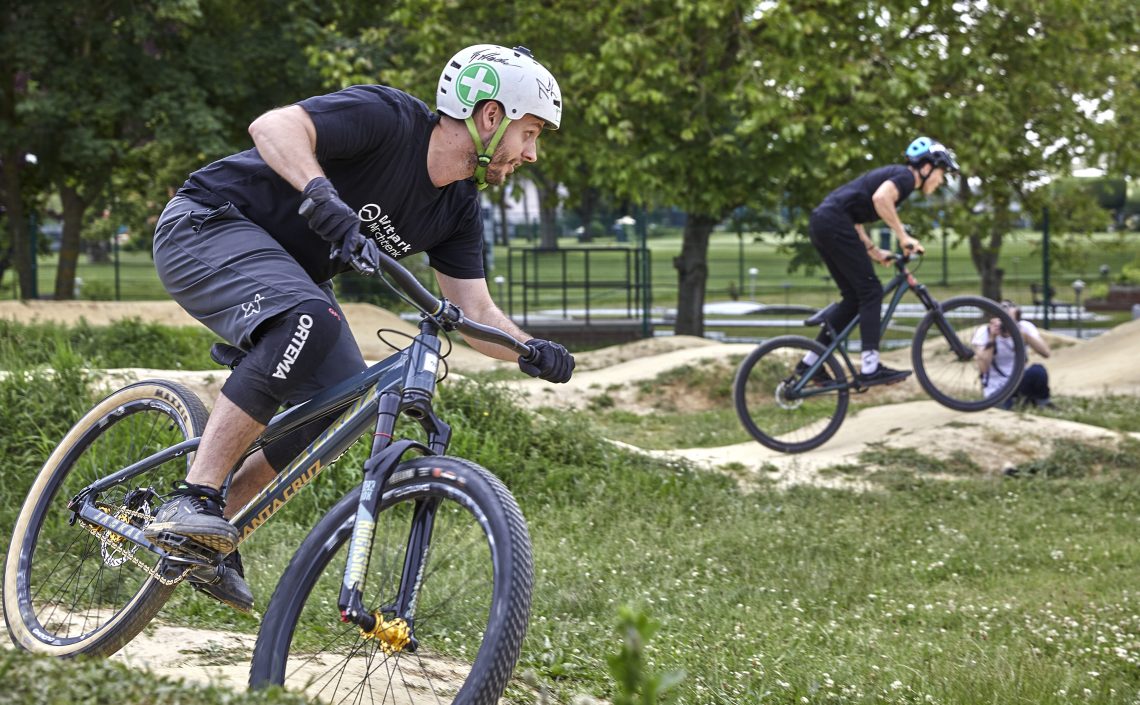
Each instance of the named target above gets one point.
<point>926,151</point>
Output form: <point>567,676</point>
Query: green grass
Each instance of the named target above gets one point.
<point>124,343</point>
<point>967,590</point>
<point>730,258</point>
<point>45,681</point>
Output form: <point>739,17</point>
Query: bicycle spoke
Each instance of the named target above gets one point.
<point>79,578</point>
<point>773,412</point>
<point>944,358</point>
<point>453,606</point>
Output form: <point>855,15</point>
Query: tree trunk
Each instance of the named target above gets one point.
<point>17,223</point>
<point>985,248</point>
<point>692,274</point>
<point>504,227</point>
<point>588,203</point>
<point>985,259</point>
<point>74,208</point>
<point>547,213</point>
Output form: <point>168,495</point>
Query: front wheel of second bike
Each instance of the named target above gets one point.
<point>470,605</point>
<point>943,354</point>
<point>763,393</point>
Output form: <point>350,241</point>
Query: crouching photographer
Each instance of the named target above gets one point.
<point>994,349</point>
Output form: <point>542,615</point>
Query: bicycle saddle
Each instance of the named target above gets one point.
<point>817,318</point>
<point>227,355</point>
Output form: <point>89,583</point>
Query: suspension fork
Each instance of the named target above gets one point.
<point>961,350</point>
<point>386,455</point>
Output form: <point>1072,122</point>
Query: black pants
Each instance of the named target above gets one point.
<point>846,258</point>
<point>1034,387</point>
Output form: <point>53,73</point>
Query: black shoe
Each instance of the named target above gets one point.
<point>225,583</point>
<point>821,378</point>
<point>193,516</point>
<point>883,375</point>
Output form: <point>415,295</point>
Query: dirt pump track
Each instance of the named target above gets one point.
<point>1103,365</point>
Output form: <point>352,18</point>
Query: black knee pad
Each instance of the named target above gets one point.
<point>284,355</point>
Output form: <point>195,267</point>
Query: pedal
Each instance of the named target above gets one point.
<point>185,548</point>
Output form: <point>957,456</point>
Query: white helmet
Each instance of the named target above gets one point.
<point>510,76</point>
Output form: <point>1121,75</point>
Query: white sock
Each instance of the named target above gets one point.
<point>810,358</point>
<point>870,361</point>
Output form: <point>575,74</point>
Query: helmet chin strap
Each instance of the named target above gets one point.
<point>485,153</point>
<point>922,183</point>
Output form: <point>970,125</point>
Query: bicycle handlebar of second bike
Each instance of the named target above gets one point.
<point>450,315</point>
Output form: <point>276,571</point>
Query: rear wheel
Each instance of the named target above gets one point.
<point>944,358</point>
<point>776,417</point>
<point>72,588</point>
<point>469,612</point>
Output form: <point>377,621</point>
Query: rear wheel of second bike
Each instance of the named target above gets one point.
<point>770,412</point>
<point>471,604</point>
<point>73,588</point>
<point>944,357</point>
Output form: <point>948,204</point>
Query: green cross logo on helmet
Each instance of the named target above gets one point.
<point>477,82</point>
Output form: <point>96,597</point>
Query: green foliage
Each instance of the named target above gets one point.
<point>124,343</point>
<point>49,681</point>
<point>914,461</point>
<point>977,589</point>
<point>1072,459</point>
<point>636,684</point>
<point>37,407</point>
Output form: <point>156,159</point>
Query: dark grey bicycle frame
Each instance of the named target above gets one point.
<point>358,396</point>
<point>896,290</point>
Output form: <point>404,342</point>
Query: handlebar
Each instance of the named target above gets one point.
<point>446,314</point>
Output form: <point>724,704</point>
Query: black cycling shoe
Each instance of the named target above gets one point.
<point>883,375</point>
<point>225,583</point>
<point>821,378</point>
<point>193,516</point>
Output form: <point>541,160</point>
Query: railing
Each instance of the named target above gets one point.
<point>577,283</point>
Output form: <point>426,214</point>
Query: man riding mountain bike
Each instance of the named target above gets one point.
<point>372,169</point>
<point>836,229</point>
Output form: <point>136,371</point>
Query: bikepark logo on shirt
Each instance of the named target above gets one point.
<point>477,82</point>
<point>379,226</point>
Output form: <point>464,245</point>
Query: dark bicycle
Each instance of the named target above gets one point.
<point>414,587</point>
<point>793,411</point>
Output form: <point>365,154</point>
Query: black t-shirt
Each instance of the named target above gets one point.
<point>372,143</point>
<point>853,199</point>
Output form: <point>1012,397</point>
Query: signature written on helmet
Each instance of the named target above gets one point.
<point>489,56</point>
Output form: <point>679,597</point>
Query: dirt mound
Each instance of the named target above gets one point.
<point>1104,364</point>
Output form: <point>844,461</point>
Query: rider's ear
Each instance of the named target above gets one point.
<point>488,114</point>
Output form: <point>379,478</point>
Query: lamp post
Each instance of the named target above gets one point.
<point>1078,287</point>
<point>752,274</point>
<point>33,232</point>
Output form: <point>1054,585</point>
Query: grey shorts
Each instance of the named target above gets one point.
<point>231,275</point>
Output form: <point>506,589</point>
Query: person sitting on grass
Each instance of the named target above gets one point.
<point>994,348</point>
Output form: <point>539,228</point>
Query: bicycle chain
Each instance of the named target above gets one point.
<point>112,542</point>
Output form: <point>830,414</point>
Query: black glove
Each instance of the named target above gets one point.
<point>551,361</point>
<point>336,223</point>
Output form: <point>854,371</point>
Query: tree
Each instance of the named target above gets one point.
<point>150,87</point>
<point>1020,96</point>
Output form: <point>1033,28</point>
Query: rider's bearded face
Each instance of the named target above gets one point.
<point>519,144</point>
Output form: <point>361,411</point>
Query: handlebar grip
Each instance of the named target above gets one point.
<point>306,208</point>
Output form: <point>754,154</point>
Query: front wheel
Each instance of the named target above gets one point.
<point>73,588</point>
<point>468,614</point>
<point>769,408</point>
<point>945,360</point>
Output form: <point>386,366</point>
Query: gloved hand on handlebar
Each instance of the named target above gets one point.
<point>551,362</point>
<point>336,223</point>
